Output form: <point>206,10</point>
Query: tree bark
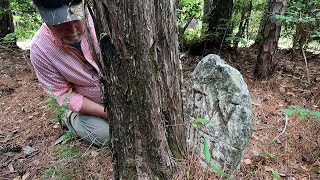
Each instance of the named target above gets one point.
<point>216,14</point>
<point>302,35</point>
<point>270,35</point>
<point>6,19</point>
<point>244,22</point>
<point>142,86</point>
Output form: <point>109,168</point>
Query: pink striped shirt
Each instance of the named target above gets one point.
<point>63,71</point>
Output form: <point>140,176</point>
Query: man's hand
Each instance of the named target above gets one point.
<point>93,109</point>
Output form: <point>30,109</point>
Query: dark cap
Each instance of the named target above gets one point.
<point>54,12</point>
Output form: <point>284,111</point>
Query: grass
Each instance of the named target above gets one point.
<point>57,173</point>
<point>66,151</point>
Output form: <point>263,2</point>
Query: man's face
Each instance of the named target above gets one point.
<point>69,32</point>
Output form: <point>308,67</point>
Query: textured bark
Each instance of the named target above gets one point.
<point>216,14</point>
<point>244,22</point>
<point>271,32</point>
<point>302,35</point>
<point>142,85</point>
<point>5,18</point>
<point>264,17</point>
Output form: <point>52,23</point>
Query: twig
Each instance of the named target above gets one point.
<point>225,33</point>
<point>308,57</point>
<point>285,127</point>
<point>183,29</point>
<point>306,63</point>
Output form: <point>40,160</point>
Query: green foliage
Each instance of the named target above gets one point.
<point>191,35</point>
<point>199,121</point>
<point>207,155</point>
<point>310,117</point>
<point>303,14</point>
<point>188,174</point>
<point>52,104</point>
<point>67,136</point>
<point>56,173</point>
<point>219,171</point>
<point>26,16</point>
<point>11,37</point>
<point>206,148</point>
<point>301,112</point>
<point>270,155</point>
<point>65,151</point>
<point>275,174</point>
<point>206,151</point>
<point>188,10</point>
<point>316,35</point>
<point>232,39</point>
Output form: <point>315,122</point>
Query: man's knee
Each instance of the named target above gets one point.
<point>92,129</point>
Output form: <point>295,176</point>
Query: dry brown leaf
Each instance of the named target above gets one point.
<point>94,153</point>
<point>25,176</point>
<point>304,167</point>
<point>267,168</point>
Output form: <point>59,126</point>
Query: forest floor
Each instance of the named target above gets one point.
<point>282,146</point>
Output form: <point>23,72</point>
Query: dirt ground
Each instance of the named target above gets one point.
<point>287,147</point>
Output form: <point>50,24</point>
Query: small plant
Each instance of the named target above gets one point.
<point>67,136</point>
<point>66,151</point>
<point>199,121</point>
<point>314,116</point>
<point>267,154</point>
<point>56,173</point>
<point>275,174</point>
<point>11,37</point>
<point>207,155</point>
<point>52,104</point>
<point>301,112</point>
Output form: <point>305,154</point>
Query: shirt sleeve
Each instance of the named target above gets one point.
<point>54,83</point>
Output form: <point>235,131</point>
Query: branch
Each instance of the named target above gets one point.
<point>285,127</point>
<point>187,24</point>
<point>306,63</point>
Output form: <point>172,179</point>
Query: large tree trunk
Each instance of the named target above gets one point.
<point>216,13</point>
<point>270,35</point>
<point>5,18</point>
<point>142,85</point>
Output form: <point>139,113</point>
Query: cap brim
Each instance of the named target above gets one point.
<point>61,15</point>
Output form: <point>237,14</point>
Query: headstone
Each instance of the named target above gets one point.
<point>218,93</point>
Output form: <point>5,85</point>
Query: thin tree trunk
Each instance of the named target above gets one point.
<point>139,46</point>
<point>244,22</point>
<point>5,18</point>
<point>271,32</point>
<point>216,14</point>
<point>263,20</point>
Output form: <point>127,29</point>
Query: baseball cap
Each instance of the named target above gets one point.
<point>54,12</point>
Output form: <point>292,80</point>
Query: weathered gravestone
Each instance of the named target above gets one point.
<point>217,92</point>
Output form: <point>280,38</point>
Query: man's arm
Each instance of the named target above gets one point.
<point>93,109</point>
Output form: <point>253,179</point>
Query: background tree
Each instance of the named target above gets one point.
<point>305,17</point>
<point>270,35</point>
<point>139,46</point>
<point>217,16</point>
<point>6,19</point>
<point>245,8</point>
<point>26,19</point>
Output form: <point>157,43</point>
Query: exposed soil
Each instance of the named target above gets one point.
<point>287,144</point>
